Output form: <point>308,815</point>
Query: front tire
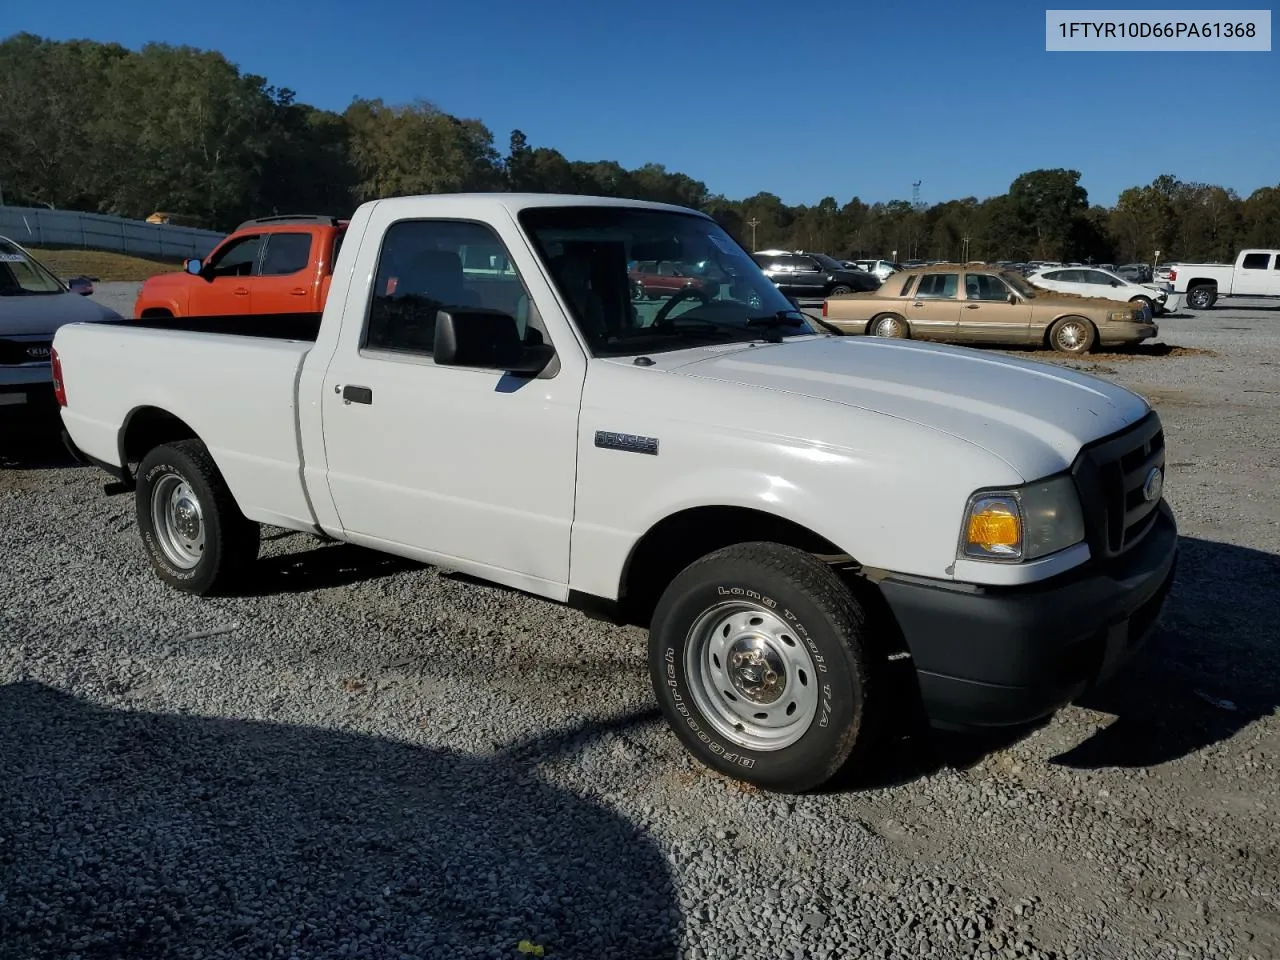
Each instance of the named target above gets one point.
<point>196,537</point>
<point>757,656</point>
<point>1074,335</point>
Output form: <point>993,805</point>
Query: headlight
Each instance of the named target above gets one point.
<point>1123,316</point>
<point>1023,523</point>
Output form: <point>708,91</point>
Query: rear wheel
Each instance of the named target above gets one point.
<point>1072,335</point>
<point>889,325</point>
<point>839,290</point>
<point>1202,297</point>
<point>198,540</point>
<point>757,657</point>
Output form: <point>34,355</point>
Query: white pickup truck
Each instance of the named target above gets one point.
<point>1256,273</point>
<point>795,516</point>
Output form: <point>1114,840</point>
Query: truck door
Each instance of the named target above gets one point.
<point>1253,276</point>
<point>934,312</point>
<point>286,280</point>
<point>448,462</point>
<point>224,286</point>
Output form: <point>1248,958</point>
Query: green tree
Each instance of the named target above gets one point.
<point>418,149</point>
<point>1046,202</point>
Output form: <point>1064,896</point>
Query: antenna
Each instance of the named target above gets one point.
<point>915,194</point>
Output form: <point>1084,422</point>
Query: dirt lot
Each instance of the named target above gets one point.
<point>370,758</point>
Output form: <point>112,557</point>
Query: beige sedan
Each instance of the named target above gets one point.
<point>975,303</point>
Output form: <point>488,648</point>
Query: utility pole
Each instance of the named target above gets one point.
<point>753,223</point>
<point>964,251</point>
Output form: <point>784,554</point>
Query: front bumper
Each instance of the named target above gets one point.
<point>989,657</point>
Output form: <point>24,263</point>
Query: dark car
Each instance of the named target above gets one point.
<point>813,275</point>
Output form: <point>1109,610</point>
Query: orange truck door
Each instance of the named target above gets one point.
<point>286,281</point>
<point>226,280</point>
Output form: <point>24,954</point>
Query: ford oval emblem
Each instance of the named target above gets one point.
<point>1153,485</point>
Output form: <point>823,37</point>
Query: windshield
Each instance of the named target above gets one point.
<point>707,289</point>
<point>1018,283</point>
<point>21,276</point>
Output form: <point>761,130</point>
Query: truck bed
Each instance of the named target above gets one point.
<point>232,380</point>
<point>301,327</point>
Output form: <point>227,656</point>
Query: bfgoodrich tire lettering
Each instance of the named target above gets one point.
<point>227,542</point>
<point>824,623</point>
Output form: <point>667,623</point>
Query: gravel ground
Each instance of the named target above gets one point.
<point>369,758</point>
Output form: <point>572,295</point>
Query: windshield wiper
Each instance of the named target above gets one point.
<point>775,322</point>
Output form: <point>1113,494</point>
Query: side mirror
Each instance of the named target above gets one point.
<point>81,285</point>
<point>192,266</point>
<point>488,339</point>
<point>1013,299</point>
<point>1115,283</point>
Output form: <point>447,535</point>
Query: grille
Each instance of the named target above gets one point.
<point>24,351</point>
<point>1112,478</point>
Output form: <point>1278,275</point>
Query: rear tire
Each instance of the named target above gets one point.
<point>1202,297</point>
<point>889,325</point>
<point>196,537</point>
<point>757,657</point>
<point>840,289</point>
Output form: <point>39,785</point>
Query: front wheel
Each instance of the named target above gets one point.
<point>198,540</point>
<point>757,657</point>
<point>1072,335</point>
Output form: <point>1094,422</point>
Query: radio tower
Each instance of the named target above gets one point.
<point>915,194</point>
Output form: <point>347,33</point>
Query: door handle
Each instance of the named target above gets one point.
<point>241,291</point>
<point>917,304</point>
<point>352,394</point>
<point>298,292</point>
<point>971,306</point>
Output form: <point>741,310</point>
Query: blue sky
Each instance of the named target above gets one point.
<point>834,99</point>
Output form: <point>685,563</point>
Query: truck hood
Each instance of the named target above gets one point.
<point>38,314</point>
<point>1033,415</point>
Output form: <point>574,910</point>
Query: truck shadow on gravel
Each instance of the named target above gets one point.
<point>131,834</point>
<point>319,567</point>
<point>1211,668</point>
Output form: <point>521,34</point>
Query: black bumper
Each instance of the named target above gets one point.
<point>988,657</point>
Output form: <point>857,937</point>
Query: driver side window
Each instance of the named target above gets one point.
<point>237,259</point>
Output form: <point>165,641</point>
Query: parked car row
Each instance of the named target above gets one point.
<point>983,304</point>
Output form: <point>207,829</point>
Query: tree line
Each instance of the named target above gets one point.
<point>97,127</point>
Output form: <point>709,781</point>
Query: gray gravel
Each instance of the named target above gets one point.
<point>368,758</point>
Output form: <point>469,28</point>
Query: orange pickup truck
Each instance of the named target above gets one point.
<point>273,265</point>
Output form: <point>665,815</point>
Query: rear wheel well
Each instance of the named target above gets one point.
<point>147,428</point>
<point>675,542</point>
<point>155,313</point>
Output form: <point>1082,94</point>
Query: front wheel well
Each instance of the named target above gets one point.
<point>156,313</point>
<point>146,428</point>
<point>678,540</point>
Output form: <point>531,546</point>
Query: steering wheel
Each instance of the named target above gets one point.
<point>687,293</point>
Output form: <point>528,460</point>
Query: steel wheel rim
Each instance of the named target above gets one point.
<point>1071,336</point>
<point>887,327</point>
<point>178,520</point>
<point>751,676</point>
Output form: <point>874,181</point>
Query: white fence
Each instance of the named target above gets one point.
<point>38,227</point>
